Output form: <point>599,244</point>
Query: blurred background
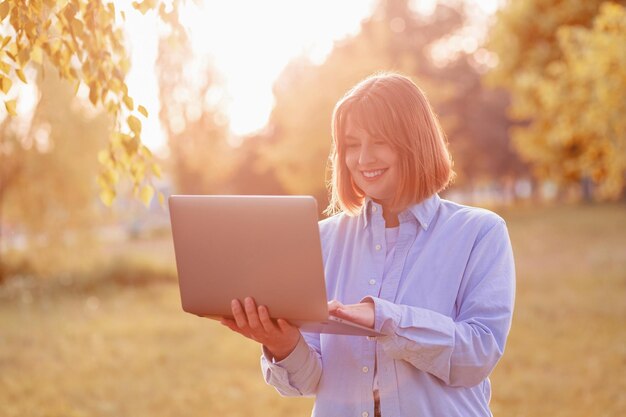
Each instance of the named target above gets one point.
<point>531,94</point>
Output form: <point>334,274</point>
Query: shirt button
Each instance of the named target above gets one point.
<point>365,369</point>
<point>378,247</point>
<point>374,208</point>
<point>365,414</point>
<point>372,281</point>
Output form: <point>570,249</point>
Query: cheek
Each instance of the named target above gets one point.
<point>350,160</point>
<point>393,158</point>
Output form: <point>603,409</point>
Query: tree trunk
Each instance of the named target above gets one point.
<point>586,186</point>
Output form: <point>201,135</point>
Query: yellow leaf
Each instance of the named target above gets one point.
<point>5,84</point>
<point>20,75</point>
<point>143,7</point>
<point>13,49</point>
<point>103,156</point>
<point>138,171</point>
<point>111,107</point>
<point>143,110</point>
<point>10,106</point>
<point>146,194</point>
<point>77,27</point>
<point>128,101</point>
<point>4,67</point>
<point>146,151</point>
<point>156,170</point>
<point>111,176</point>
<point>130,145</point>
<point>23,55</point>
<point>134,124</point>
<point>107,196</point>
<point>161,199</point>
<point>93,94</point>
<point>55,45</point>
<point>102,182</point>
<point>37,55</point>
<point>124,65</point>
<point>4,10</point>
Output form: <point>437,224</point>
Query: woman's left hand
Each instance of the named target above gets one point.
<point>361,313</point>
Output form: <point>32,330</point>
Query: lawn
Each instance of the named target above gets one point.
<point>115,348</point>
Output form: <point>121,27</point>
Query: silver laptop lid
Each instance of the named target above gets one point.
<point>267,247</point>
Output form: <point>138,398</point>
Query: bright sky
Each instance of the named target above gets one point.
<point>250,42</point>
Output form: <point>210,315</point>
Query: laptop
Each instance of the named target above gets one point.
<point>266,247</point>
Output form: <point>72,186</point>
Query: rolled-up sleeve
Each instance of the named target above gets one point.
<point>461,351</point>
<point>299,373</point>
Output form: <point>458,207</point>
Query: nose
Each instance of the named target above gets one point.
<point>366,156</point>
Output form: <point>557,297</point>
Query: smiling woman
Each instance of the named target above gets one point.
<point>388,146</point>
<point>434,278</point>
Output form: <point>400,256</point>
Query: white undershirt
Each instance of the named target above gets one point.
<point>391,236</point>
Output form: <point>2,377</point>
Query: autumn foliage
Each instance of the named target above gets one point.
<point>565,68</point>
<point>83,40</point>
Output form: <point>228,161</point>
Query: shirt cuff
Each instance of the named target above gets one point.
<point>294,361</point>
<point>386,317</point>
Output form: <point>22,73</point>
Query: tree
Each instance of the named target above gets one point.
<point>83,41</point>
<point>477,127</point>
<point>202,161</point>
<point>564,67</point>
<point>46,188</point>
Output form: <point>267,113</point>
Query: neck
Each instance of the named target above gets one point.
<point>391,217</point>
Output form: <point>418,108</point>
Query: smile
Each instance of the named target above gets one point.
<point>374,173</point>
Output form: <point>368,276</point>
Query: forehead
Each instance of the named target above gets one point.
<point>353,128</point>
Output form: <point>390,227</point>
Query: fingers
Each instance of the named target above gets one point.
<point>255,323</point>
<point>342,312</point>
<point>239,314</point>
<point>253,319</point>
<point>232,325</point>
<point>362,313</point>
<point>266,321</point>
<point>334,305</point>
<point>252,313</point>
<point>284,325</point>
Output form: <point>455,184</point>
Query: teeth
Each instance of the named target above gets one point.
<point>372,174</point>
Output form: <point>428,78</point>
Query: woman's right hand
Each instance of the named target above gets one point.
<point>279,338</point>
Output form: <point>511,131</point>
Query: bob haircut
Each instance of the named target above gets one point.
<point>390,106</point>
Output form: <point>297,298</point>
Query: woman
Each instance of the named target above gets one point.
<point>434,277</point>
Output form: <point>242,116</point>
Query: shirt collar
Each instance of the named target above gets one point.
<point>423,212</point>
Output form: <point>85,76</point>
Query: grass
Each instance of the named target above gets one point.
<point>123,347</point>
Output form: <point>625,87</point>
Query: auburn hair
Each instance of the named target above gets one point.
<point>391,106</point>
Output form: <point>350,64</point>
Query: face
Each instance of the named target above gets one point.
<point>373,164</point>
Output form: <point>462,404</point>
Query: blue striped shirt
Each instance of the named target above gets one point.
<point>444,306</point>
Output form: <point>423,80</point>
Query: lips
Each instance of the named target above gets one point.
<point>373,173</point>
